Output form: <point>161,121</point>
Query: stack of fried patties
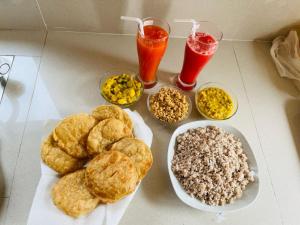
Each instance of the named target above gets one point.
<point>98,158</point>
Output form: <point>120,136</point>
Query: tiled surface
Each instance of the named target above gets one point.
<point>13,116</point>
<point>156,195</point>
<point>238,19</point>
<point>27,172</point>
<point>26,43</point>
<point>275,104</point>
<point>20,14</point>
<point>266,19</point>
<point>71,67</point>
<point>72,14</point>
<point>27,175</point>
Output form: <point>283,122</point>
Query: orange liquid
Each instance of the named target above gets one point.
<point>151,49</point>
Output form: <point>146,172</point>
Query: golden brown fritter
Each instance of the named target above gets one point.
<point>111,176</point>
<point>57,159</point>
<point>138,151</point>
<point>71,134</point>
<point>112,111</point>
<point>72,196</point>
<point>105,133</point>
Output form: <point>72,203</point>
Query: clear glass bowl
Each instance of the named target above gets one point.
<point>111,74</point>
<point>170,123</point>
<point>220,86</point>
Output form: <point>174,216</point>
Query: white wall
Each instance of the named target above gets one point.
<point>238,19</point>
<point>20,14</point>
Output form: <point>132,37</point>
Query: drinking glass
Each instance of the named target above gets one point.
<point>200,47</point>
<point>151,47</point>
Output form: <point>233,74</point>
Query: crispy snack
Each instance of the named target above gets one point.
<point>105,133</point>
<point>72,196</point>
<point>112,111</point>
<point>111,176</point>
<point>57,159</point>
<point>71,134</point>
<point>138,151</point>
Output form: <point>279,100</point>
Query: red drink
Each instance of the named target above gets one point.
<point>198,51</point>
<point>151,49</point>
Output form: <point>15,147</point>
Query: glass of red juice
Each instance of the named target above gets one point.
<point>200,46</point>
<point>151,47</point>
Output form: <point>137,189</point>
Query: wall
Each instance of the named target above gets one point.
<point>238,19</point>
<point>20,14</point>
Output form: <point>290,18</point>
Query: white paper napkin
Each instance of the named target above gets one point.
<point>285,52</point>
<point>44,212</point>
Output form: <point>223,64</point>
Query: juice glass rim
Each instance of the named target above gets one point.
<point>161,21</point>
<point>214,36</point>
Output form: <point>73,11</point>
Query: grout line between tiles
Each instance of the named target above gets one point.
<point>26,55</point>
<point>8,198</point>
<point>24,29</point>
<point>29,107</point>
<point>64,30</point>
<point>41,14</point>
<point>23,131</point>
<point>258,136</point>
<point>26,123</point>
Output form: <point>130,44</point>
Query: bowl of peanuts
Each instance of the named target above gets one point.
<point>169,105</point>
<point>212,167</point>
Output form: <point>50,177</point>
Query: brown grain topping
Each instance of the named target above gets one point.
<point>169,105</point>
<point>211,166</point>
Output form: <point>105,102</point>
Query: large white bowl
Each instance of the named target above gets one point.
<point>252,189</point>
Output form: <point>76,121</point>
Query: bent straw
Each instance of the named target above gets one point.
<point>196,24</point>
<point>135,19</point>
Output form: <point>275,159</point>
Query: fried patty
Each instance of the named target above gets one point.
<point>71,134</point>
<point>57,159</point>
<point>72,196</point>
<point>111,176</point>
<point>105,133</point>
<point>112,111</point>
<point>138,151</point>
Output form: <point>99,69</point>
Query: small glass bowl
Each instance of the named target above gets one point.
<point>225,89</point>
<point>170,123</point>
<point>111,74</point>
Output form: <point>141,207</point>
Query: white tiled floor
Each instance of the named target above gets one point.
<point>25,43</point>
<point>275,105</point>
<point>16,101</point>
<point>13,115</point>
<point>71,66</point>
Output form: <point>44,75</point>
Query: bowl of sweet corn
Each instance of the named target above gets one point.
<point>215,102</point>
<point>123,89</point>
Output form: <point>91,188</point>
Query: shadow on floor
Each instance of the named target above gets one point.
<point>282,31</point>
<point>261,50</point>
<point>2,181</point>
<point>292,109</point>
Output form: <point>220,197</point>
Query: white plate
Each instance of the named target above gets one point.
<point>43,211</point>
<point>252,189</point>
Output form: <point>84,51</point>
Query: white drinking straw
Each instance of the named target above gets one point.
<point>135,19</point>
<point>196,24</point>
